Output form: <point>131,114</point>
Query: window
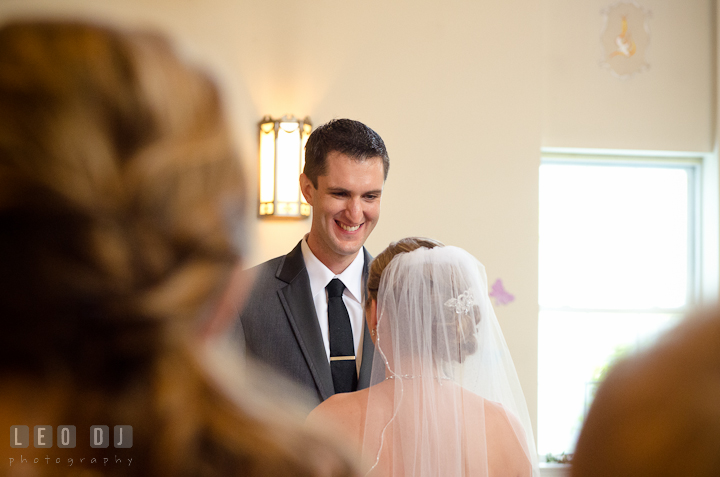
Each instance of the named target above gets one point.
<point>618,265</point>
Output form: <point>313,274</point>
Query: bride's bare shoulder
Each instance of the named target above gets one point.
<point>345,411</point>
<point>506,446</point>
<point>500,419</point>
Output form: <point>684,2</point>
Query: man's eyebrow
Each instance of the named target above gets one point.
<point>334,190</point>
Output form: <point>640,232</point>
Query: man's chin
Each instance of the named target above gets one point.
<point>347,249</point>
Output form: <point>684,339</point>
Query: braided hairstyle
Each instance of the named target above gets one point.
<point>121,210</point>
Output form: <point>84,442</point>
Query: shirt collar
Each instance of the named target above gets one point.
<point>320,275</point>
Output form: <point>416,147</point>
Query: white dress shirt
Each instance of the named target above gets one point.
<point>320,276</point>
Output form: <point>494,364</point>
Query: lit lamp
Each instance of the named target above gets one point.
<point>282,158</point>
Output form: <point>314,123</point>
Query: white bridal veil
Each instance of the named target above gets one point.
<point>446,399</point>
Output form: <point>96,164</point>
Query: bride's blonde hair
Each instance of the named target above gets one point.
<point>384,258</point>
<point>453,330</point>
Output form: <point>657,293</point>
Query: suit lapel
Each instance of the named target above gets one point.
<point>368,347</point>
<point>297,301</point>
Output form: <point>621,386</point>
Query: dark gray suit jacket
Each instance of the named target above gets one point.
<point>280,325</point>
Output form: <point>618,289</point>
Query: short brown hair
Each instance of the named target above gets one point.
<point>348,137</point>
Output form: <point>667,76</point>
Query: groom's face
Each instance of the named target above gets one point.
<point>346,207</point>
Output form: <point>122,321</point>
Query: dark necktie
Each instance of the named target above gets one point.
<point>342,349</point>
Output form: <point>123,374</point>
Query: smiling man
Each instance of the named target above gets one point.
<point>304,316</point>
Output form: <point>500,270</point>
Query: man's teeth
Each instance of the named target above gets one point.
<point>349,229</point>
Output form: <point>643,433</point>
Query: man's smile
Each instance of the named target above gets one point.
<point>348,228</point>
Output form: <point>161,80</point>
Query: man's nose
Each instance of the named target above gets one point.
<point>354,210</point>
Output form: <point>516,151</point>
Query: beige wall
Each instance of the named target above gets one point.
<point>669,107</point>
<point>464,94</point>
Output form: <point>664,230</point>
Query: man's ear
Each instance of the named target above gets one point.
<point>307,188</point>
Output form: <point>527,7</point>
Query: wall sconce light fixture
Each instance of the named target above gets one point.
<point>282,159</point>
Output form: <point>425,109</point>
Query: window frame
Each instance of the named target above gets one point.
<point>693,163</point>
<point>701,220</point>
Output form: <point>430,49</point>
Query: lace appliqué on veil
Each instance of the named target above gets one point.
<point>463,303</point>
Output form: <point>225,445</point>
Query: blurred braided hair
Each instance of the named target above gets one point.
<point>121,210</point>
<point>117,197</point>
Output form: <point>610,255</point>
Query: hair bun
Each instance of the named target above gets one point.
<point>456,332</point>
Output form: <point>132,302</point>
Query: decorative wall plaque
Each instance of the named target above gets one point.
<point>625,38</point>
